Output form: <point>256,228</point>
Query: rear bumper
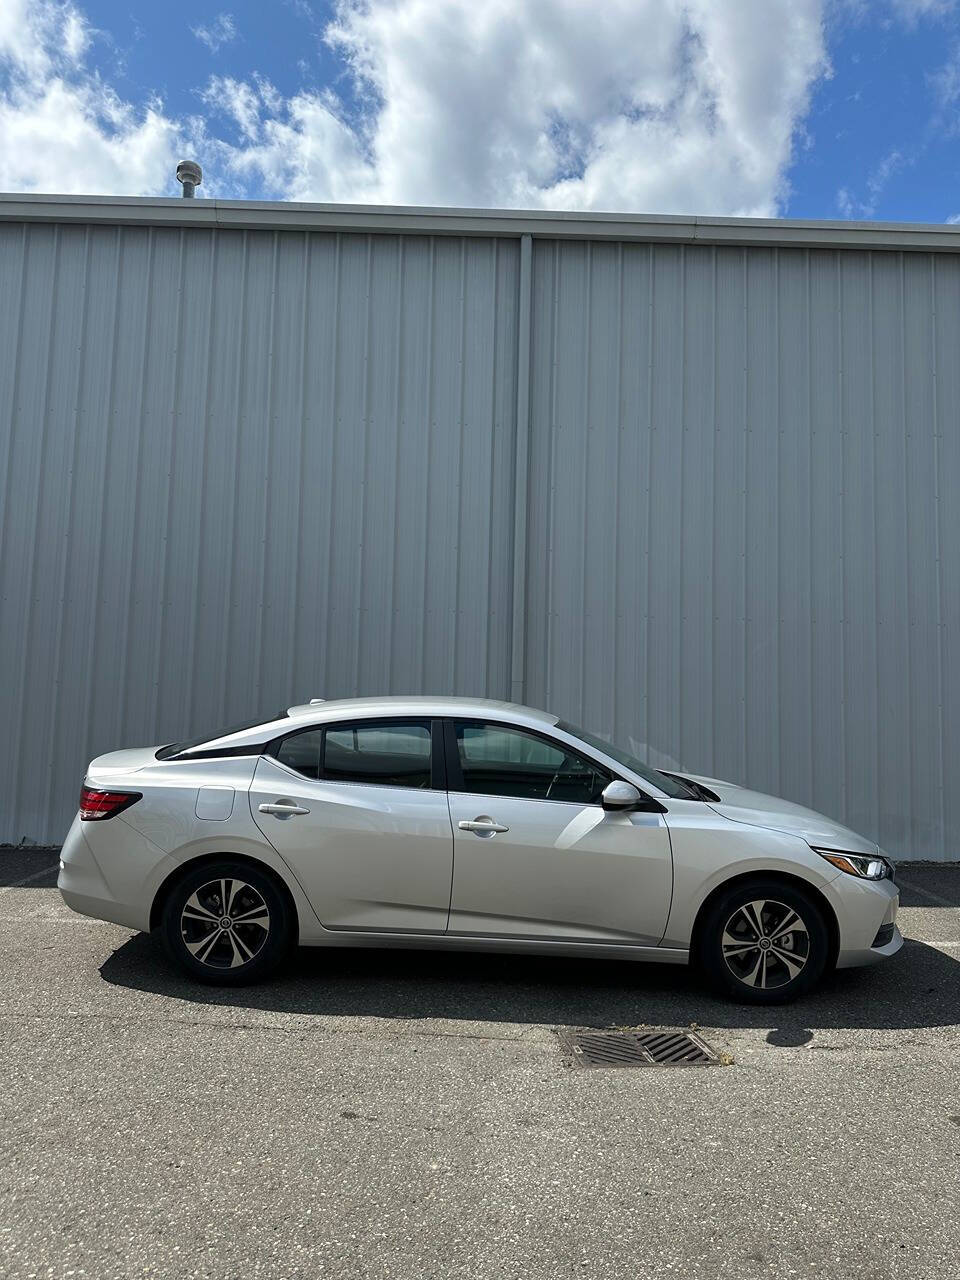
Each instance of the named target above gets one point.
<point>102,909</point>
<point>117,895</point>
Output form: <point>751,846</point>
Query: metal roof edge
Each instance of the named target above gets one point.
<point>255,215</point>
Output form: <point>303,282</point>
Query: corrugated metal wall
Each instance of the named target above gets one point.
<point>243,468</point>
<point>743,545</point>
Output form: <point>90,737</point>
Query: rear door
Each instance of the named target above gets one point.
<point>359,811</point>
<point>535,853</point>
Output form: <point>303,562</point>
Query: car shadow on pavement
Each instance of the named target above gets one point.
<point>28,867</point>
<point>929,885</point>
<point>918,988</point>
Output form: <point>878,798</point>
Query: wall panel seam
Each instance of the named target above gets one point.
<point>521,474</point>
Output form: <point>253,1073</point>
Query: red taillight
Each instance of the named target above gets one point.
<point>95,805</point>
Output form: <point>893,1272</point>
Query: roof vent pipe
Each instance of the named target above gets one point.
<point>190,175</point>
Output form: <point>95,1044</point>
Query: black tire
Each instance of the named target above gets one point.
<point>254,945</point>
<point>794,959</point>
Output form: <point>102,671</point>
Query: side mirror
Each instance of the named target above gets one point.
<point>621,796</point>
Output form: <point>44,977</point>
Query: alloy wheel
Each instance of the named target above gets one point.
<point>765,944</point>
<point>225,923</point>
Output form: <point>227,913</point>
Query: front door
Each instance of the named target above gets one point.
<point>536,855</point>
<point>359,813</point>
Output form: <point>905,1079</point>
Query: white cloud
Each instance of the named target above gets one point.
<point>221,31</point>
<point>235,99</point>
<point>63,128</point>
<point>912,10</point>
<point>683,105</point>
<point>307,153</point>
<point>74,140</point>
<point>659,105</point>
<point>908,12</point>
<point>34,34</point>
<point>946,81</point>
<point>877,181</point>
<point>892,162</point>
<point>75,35</point>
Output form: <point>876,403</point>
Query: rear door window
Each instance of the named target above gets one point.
<point>386,754</point>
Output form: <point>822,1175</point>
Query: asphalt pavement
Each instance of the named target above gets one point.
<point>408,1114</point>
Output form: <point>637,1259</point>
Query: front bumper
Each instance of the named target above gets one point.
<point>864,910</point>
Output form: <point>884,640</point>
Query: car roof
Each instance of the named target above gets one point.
<point>319,711</point>
<point>420,705</point>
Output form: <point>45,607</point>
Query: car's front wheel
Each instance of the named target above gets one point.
<point>227,923</point>
<point>764,942</point>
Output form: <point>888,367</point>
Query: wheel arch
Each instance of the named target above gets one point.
<point>794,882</point>
<point>192,864</point>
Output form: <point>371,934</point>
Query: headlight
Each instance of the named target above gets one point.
<point>857,864</point>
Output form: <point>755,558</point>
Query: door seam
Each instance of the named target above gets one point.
<point>453,862</point>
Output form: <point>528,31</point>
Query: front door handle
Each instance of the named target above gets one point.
<point>282,810</point>
<point>483,827</point>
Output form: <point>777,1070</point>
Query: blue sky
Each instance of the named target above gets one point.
<point>803,108</point>
<point>173,48</point>
<point>879,128</point>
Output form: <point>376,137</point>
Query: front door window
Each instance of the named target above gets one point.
<point>496,760</point>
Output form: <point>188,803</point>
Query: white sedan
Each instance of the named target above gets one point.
<point>448,822</point>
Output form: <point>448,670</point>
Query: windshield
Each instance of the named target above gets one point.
<point>662,781</point>
<point>177,748</point>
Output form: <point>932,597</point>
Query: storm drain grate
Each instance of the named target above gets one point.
<point>637,1049</point>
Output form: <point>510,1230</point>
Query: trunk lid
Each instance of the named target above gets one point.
<point>116,762</point>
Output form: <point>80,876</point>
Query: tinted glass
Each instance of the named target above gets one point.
<point>385,755</point>
<point>499,761</point>
<point>301,751</point>
<point>662,781</point>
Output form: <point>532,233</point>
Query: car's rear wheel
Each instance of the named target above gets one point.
<point>227,923</point>
<point>764,942</point>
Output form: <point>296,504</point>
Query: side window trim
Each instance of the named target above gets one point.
<point>438,756</point>
<point>451,757</point>
<point>455,772</point>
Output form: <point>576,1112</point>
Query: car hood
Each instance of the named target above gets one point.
<point>739,804</point>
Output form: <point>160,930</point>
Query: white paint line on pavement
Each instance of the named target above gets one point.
<point>57,920</point>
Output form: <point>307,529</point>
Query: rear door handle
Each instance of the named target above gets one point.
<point>282,810</point>
<point>483,827</point>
